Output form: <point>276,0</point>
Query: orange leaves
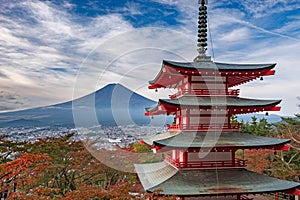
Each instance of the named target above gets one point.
<point>86,192</point>
<point>59,168</point>
<point>259,160</point>
<point>22,172</point>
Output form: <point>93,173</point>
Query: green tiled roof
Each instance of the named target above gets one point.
<point>219,66</point>
<point>210,139</point>
<point>219,101</point>
<point>209,182</point>
<point>161,136</point>
<point>154,173</point>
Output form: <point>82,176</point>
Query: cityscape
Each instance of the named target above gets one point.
<point>107,136</point>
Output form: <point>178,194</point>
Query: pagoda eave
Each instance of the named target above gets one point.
<point>195,182</point>
<point>221,148</point>
<point>234,105</point>
<point>210,102</point>
<point>217,66</point>
<point>237,74</point>
<point>197,141</point>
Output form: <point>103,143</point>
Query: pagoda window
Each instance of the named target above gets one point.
<point>205,122</point>
<point>199,86</point>
<point>184,120</point>
<point>197,78</point>
<point>210,79</point>
<point>205,118</point>
<point>209,86</point>
<point>208,112</point>
<point>210,156</point>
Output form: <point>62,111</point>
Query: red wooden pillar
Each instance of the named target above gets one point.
<point>185,158</point>
<point>226,85</point>
<point>177,155</point>
<point>189,84</point>
<point>276,196</point>
<point>180,119</point>
<point>228,120</point>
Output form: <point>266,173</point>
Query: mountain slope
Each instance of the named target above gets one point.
<point>113,104</point>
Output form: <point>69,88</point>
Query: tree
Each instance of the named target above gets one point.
<point>10,149</point>
<point>22,173</point>
<point>261,127</point>
<point>73,165</point>
<point>290,160</point>
<point>140,148</point>
<point>61,168</point>
<point>281,164</point>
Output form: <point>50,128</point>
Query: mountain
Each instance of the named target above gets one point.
<point>111,105</point>
<point>114,104</point>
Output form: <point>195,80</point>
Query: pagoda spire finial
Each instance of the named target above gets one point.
<point>202,33</point>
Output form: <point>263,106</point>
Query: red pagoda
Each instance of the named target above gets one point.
<point>200,146</point>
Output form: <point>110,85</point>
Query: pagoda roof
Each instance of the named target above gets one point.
<point>202,139</point>
<point>218,101</point>
<point>237,73</point>
<point>162,176</point>
<point>218,66</point>
<point>207,102</point>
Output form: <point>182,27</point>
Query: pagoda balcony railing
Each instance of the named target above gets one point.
<point>237,163</point>
<point>206,92</point>
<point>204,127</point>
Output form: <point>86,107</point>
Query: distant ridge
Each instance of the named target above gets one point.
<point>272,118</point>
<point>114,96</point>
<point>23,122</point>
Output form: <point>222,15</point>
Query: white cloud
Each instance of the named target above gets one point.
<point>236,35</point>
<point>44,39</point>
<point>133,8</point>
<point>42,51</point>
<point>268,7</point>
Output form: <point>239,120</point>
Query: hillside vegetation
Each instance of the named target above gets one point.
<point>61,168</point>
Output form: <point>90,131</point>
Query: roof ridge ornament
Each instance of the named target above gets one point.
<point>202,33</point>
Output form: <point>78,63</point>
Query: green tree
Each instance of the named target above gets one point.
<point>255,127</point>
<point>140,148</point>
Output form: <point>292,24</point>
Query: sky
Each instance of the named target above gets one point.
<point>55,51</point>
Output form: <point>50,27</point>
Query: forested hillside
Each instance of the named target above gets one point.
<point>59,168</point>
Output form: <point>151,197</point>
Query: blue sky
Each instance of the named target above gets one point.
<point>53,51</point>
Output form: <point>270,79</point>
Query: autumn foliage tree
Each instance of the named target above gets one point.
<point>62,168</point>
<point>22,173</point>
